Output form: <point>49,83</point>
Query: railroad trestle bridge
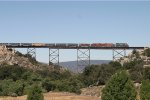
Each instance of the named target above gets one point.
<point>83,52</point>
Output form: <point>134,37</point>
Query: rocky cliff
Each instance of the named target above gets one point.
<point>11,57</point>
<point>137,55</point>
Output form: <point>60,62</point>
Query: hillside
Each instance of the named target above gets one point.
<point>12,57</point>
<point>19,73</point>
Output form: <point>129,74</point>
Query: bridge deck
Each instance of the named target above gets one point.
<point>60,47</point>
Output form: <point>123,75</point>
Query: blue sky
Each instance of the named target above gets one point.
<point>75,22</point>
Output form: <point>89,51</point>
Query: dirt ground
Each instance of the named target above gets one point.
<point>55,96</point>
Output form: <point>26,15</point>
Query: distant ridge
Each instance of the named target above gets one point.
<point>72,65</point>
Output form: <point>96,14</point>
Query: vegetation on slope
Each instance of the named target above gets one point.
<point>16,80</point>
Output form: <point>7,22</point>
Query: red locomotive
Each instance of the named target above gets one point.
<point>102,45</point>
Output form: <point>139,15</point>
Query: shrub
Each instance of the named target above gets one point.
<point>131,64</point>
<point>136,73</point>
<point>48,85</point>
<point>134,51</point>
<point>115,64</point>
<point>145,90</point>
<point>147,73</point>
<point>70,85</point>
<point>35,93</point>
<point>11,72</point>
<point>119,87</point>
<point>9,87</point>
<point>147,52</point>
<point>99,74</point>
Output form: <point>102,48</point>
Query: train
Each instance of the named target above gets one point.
<point>67,44</point>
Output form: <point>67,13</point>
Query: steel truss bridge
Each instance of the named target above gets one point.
<point>83,53</point>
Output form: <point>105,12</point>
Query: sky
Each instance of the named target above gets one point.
<point>75,22</point>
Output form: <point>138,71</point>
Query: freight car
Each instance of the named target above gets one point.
<point>4,44</point>
<point>38,44</point>
<point>121,45</point>
<point>50,44</point>
<point>84,45</point>
<point>61,45</point>
<point>72,45</point>
<point>26,44</point>
<point>13,44</point>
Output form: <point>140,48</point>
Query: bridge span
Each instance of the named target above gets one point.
<point>77,47</point>
<point>83,52</point>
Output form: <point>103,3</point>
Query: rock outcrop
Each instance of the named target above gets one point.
<point>10,57</point>
<point>136,55</point>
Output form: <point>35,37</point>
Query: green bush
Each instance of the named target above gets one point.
<point>119,87</point>
<point>135,69</point>
<point>147,52</point>
<point>134,51</point>
<point>136,73</point>
<point>12,72</point>
<point>129,65</point>
<point>48,85</point>
<point>147,73</point>
<point>9,87</point>
<point>35,93</point>
<point>145,90</point>
<point>99,74</point>
<point>115,64</point>
<point>70,85</point>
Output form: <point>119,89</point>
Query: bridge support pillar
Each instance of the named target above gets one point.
<point>32,52</point>
<point>118,54</point>
<point>53,56</point>
<point>83,59</point>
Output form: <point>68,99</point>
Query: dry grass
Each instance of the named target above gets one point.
<point>55,96</point>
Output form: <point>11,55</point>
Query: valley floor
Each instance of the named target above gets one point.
<point>56,96</point>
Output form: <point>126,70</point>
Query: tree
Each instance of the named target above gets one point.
<point>119,87</point>
<point>145,90</point>
<point>35,93</point>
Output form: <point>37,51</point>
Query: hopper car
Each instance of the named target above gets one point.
<point>50,44</point>
<point>121,45</point>
<point>26,44</point>
<point>72,45</point>
<point>61,44</point>
<point>84,45</point>
<point>38,44</point>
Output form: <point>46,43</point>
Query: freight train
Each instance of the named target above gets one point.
<point>67,44</point>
